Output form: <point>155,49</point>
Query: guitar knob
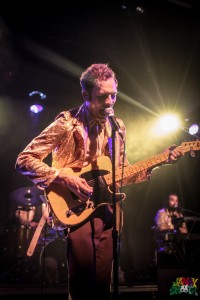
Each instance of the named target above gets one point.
<point>68,213</point>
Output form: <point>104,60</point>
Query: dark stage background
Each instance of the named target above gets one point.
<point>153,46</point>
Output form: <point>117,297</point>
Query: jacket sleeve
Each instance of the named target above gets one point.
<point>30,162</point>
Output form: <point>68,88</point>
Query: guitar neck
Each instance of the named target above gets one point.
<point>132,170</point>
<point>154,161</point>
<point>67,211</point>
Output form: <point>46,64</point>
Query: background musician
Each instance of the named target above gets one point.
<point>170,217</point>
<point>169,225</point>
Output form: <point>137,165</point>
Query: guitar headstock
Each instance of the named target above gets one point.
<point>190,146</point>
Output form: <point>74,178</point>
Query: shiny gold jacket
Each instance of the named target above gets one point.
<point>64,140</point>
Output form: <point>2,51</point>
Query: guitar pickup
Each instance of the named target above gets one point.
<point>80,208</point>
<point>76,210</point>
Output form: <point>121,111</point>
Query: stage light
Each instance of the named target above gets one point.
<point>166,124</point>
<point>169,123</point>
<point>193,129</point>
<point>36,108</point>
<point>42,95</point>
<point>37,98</point>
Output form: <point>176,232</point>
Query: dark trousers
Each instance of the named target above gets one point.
<point>90,257</point>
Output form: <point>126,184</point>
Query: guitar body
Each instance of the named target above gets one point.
<point>67,209</point>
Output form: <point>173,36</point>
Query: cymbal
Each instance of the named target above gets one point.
<point>27,196</point>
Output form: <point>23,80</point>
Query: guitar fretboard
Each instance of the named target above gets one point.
<point>136,168</point>
<point>153,161</point>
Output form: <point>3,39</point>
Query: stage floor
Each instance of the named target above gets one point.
<point>26,291</point>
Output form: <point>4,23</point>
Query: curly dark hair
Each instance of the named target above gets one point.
<point>95,74</point>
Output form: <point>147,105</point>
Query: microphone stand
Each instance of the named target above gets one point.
<point>115,232</point>
<point>115,127</point>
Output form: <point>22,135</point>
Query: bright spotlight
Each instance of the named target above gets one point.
<point>169,123</point>
<point>193,129</point>
<point>166,124</point>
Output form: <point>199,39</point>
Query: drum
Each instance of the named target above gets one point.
<point>24,236</point>
<point>25,216</point>
<point>52,261</point>
<point>14,245</point>
<point>9,242</point>
<point>28,220</point>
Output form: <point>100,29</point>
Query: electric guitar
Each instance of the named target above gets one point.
<point>68,210</point>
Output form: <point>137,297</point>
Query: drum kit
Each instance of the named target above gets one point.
<point>29,204</point>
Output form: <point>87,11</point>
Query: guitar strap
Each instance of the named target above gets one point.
<point>38,230</point>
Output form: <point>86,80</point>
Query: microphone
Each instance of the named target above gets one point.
<point>175,208</point>
<point>109,112</point>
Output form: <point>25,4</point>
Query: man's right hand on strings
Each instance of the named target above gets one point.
<point>75,184</point>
